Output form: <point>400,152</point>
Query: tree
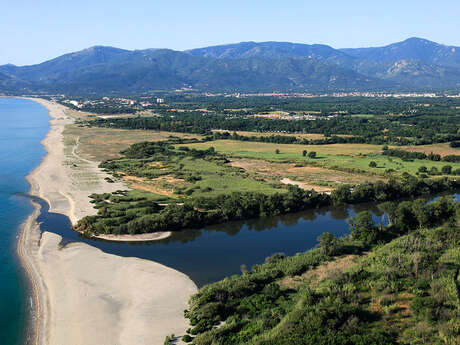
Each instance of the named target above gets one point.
<point>404,218</point>
<point>187,338</point>
<point>373,164</point>
<point>434,171</point>
<point>342,194</point>
<point>304,153</point>
<point>446,169</point>
<point>434,157</point>
<point>422,212</point>
<point>328,243</point>
<point>422,169</point>
<point>312,154</point>
<point>362,227</point>
<point>389,208</point>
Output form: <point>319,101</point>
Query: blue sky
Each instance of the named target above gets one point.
<point>33,31</point>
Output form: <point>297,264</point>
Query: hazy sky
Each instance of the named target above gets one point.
<point>36,30</point>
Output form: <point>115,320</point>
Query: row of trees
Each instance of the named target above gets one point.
<point>445,170</point>
<point>198,212</point>
<point>409,155</point>
<point>379,130</point>
<point>289,139</point>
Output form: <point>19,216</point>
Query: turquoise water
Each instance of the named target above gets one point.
<point>23,124</point>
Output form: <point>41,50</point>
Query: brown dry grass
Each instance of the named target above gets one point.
<point>330,268</point>
<point>100,144</point>
<point>320,273</point>
<point>163,185</point>
<point>142,184</point>
<point>79,115</point>
<point>442,149</point>
<point>235,147</point>
<point>307,186</point>
<point>306,177</point>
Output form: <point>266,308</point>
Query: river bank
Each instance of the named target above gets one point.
<point>83,295</point>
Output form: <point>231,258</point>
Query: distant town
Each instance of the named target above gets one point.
<point>139,103</point>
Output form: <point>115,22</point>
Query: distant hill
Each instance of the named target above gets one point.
<point>270,50</point>
<point>414,64</point>
<point>410,49</point>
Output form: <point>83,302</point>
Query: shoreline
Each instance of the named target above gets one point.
<point>26,233</point>
<point>58,279</point>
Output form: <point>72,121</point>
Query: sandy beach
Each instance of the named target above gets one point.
<point>84,296</point>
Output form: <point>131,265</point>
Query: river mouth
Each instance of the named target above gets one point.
<point>215,252</point>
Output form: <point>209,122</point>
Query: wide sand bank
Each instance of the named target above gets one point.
<point>84,296</point>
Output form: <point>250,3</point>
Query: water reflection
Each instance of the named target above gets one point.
<point>214,252</point>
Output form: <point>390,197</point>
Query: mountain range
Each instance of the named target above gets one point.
<point>415,64</point>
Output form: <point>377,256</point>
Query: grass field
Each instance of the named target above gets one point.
<point>254,166</point>
<point>307,177</point>
<point>354,158</point>
<point>383,163</point>
<point>100,144</point>
<point>218,179</point>
<point>267,150</point>
<point>442,149</point>
<point>179,177</point>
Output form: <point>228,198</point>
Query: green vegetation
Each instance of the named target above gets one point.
<point>396,122</point>
<point>169,340</point>
<point>381,285</point>
<point>209,191</point>
<point>191,172</point>
<point>392,284</point>
<point>407,156</point>
<point>340,157</point>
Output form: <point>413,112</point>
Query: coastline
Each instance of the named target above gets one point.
<point>79,290</point>
<point>25,250</point>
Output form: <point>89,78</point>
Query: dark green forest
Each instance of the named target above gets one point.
<point>397,122</point>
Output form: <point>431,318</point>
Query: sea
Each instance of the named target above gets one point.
<point>23,125</point>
